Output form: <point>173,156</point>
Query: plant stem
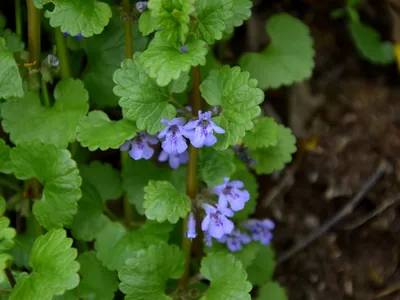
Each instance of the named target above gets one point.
<point>33,41</point>
<point>191,180</point>
<point>45,94</point>
<point>128,208</point>
<point>177,104</point>
<point>62,54</point>
<point>10,185</point>
<point>109,213</point>
<point>10,277</point>
<point>128,30</point>
<point>22,246</point>
<point>18,18</point>
<point>36,196</point>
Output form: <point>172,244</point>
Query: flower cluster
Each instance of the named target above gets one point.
<point>174,137</point>
<point>216,223</point>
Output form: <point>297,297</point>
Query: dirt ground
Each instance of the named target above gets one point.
<point>347,119</point>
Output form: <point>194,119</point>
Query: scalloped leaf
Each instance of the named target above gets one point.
<point>172,18</point>
<point>104,54</point>
<point>146,23</point>
<point>241,11</point>
<point>272,290</point>
<point>114,244</point>
<point>58,174</point>
<point>10,79</point>
<point>136,175</point>
<point>212,16</point>
<point>227,276</point>
<point>52,125</point>
<point>145,274</point>
<point>264,134</point>
<point>263,266</point>
<point>5,162</point>
<point>54,268</point>
<point>239,98</point>
<point>288,59</point>
<point>97,131</point>
<point>274,158</point>
<point>162,201</point>
<point>86,17</point>
<point>213,165</point>
<point>369,44</point>
<point>7,236</point>
<point>141,98</point>
<point>164,62</point>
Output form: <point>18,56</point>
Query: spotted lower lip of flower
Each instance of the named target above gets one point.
<point>201,131</point>
<point>139,146</point>
<point>174,160</point>
<point>235,240</point>
<point>216,223</point>
<point>260,230</point>
<point>229,192</point>
<point>173,134</point>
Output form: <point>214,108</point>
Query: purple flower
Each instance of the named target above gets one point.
<point>183,49</point>
<point>191,232</point>
<point>52,60</point>
<point>235,240</point>
<point>201,130</point>
<point>229,192</point>
<point>78,37</point>
<point>141,6</point>
<point>175,159</point>
<point>215,223</point>
<point>174,143</point>
<point>260,230</point>
<point>207,239</point>
<point>139,146</point>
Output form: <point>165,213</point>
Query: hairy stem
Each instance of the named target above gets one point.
<point>128,209</point>
<point>62,54</point>
<point>33,42</point>
<point>191,181</point>
<point>18,18</point>
<point>10,277</point>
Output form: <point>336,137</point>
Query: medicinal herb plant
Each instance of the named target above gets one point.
<point>130,103</point>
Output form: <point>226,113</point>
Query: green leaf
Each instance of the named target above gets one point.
<point>97,131</point>
<point>241,10</point>
<point>5,261</point>
<point>7,234</point>
<point>162,201</point>
<point>5,163</point>
<point>104,178</point>
<point>13,42</point>
<point>246,256</point>
<point>274,158</point>
<point>369,45</point>
<point>272,290</point>
<point>10,79</point>
<point>288,59</point>
<point>239,98</point>
<point>86,17</point>
<point>114,244</point>
<point>54,268</point>
<point>104,54</point>
<point>164,62</point>
<point>141,98</point>
<point>250,184</point>
<point>264,134</point>
<point>214,165</point>
<point>263,266</point>
<point>172,18</point>
<point>212,16</point>
<point>89,220</point>
<point>136,175</point>
<point>227,276</point>
<point>96,281</point>
<point>52,125</point>
<point>144,275</point>
<point>58,174</point>
<point>146,23</point>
